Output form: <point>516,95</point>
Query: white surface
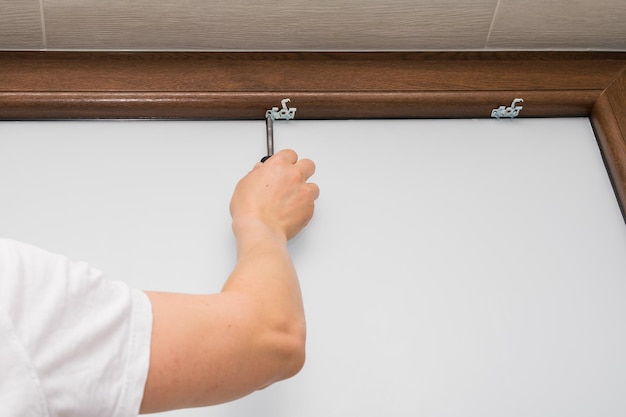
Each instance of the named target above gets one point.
<point>454,267</point>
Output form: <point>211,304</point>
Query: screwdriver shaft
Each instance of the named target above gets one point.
<point>269,124</point>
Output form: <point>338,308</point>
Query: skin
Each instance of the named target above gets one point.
<point>214,348</point>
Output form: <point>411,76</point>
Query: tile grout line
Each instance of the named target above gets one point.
<point>43,25</point>
<point>493,20</point>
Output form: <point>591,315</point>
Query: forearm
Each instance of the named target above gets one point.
<point>209,349</point>
<point>265,275</point>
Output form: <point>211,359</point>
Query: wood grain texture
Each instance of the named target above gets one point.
<point>324,72</point>
<point>616,93</point>
<point>609,122</point>
<point>329,105</point>
<point>540,24</point>
<point>20,25</point>
<point>322,85</point>
<point>264,25</point>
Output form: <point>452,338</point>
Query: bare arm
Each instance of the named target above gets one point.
<point>209,349</point>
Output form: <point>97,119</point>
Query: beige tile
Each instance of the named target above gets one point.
<point>269,25</point>
<point>559,24</point>
<point>20,25</point>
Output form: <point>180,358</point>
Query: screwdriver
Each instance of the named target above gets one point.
<point>285,113</point>
<point>269,125</point>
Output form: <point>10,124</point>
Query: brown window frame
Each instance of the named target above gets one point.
<point>336,85</point>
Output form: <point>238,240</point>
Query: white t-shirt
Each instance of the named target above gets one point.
<point>71,342</point>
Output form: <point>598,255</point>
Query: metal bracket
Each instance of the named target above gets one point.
<point>286,113</point>
<point>511,111</point>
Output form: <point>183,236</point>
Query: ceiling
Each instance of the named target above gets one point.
<point>304,25</point>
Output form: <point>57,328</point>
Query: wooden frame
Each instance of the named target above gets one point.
<point>61,85</point>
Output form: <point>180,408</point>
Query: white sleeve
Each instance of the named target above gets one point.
<point>87,339</point>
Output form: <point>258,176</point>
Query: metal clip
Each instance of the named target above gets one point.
<point>285,113</point>
<point>511,111</point>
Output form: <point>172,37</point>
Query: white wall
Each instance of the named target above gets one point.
<point>457,267</point>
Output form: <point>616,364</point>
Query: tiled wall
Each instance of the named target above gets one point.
<point>305,25</point>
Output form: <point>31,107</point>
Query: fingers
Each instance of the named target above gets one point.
<point>315,190</point>
<point>278,193</point>
<point>306,166</point>
<point>288,154</point>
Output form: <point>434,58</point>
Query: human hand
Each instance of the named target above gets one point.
<point>277,194</point>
